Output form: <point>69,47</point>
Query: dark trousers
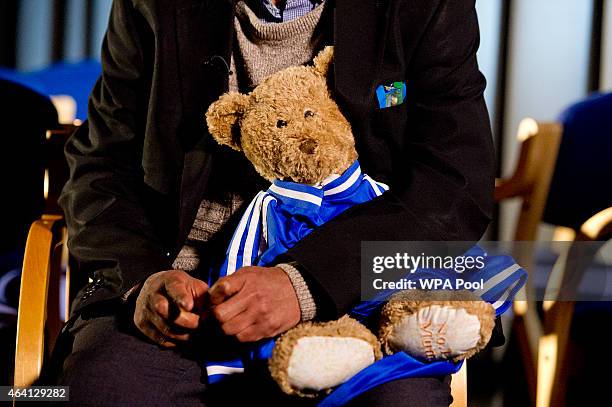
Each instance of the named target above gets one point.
<point>107,362</point>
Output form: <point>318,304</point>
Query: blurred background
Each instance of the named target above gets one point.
<point>550,60</point>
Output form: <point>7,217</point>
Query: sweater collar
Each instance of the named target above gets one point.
<point>256,29</point>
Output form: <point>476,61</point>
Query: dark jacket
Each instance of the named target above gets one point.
<point>142,163</point>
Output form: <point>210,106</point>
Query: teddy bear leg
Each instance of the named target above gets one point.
<point>436,325</point>
<point>315,357</point>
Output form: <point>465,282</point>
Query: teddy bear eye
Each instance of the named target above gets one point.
<point>281,123</point>
<point>308,113</point>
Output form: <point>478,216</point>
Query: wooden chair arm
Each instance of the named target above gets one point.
<point>599,226</point>
<point>29,352</point>
<point>509,188</point>
<point>459,387</point>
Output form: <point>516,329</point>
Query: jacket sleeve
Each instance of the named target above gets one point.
<point>109,233</point>
<point>443,189</point>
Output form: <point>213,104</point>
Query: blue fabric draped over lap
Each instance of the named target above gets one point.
<point>278,218</point>
<point>390,368</point>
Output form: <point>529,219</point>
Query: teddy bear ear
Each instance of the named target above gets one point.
<point>323,60</point>
<point>222,116</point>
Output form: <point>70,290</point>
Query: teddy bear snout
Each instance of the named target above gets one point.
<point>308,146</point>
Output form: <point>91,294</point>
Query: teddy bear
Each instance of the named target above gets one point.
<point>295,135</point>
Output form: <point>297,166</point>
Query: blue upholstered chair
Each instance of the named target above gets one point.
<point>580,198</point>
<point>582,181</point>
<point>564,176</point>
<point>73,79</point>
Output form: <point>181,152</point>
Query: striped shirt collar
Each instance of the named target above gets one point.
<point>292,9</point>
<point>335,187</point>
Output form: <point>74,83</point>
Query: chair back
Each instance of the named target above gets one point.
<point>530,182</point>
<point>45,263</point>
<point>582,181</point>
<point>531,179</point>
<point>25,115</point>
<point>564,175</point>
<point>39,318</point>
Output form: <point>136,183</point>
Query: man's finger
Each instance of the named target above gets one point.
<point>239,323</point>
<point>226,287</point>
<point>199,291</point>
<point>172,313</point>
<point>187,320</point>
<point>231,308</point>
<point>160,305</point>
<point>250,334</point>
<point>179,293</point>
<point>165,330</point>
<point>158,337</point>
<point>153,333</point>
<point>219,292</point>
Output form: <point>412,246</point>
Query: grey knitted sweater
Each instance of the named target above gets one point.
<point>262,49</point>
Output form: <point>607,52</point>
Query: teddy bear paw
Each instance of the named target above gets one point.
<point>315,357</point>
<point>436,325</point>
<point>323,362</point>
<point>436,332</point>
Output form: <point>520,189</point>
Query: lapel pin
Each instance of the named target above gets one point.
<point>390,95</point>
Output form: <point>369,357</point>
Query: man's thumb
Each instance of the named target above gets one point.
<point>219,292</point>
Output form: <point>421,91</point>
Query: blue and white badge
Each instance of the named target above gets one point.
<point>391,95</point>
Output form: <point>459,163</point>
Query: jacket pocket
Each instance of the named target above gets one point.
<point>389,124</point>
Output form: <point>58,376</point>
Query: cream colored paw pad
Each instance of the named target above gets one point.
<point>436,332</point>
<point>322,362</point>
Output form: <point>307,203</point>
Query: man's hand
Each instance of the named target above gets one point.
<point>168,305</point>
<point>255,303</point>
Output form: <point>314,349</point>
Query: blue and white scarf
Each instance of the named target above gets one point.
<point>278,218</point>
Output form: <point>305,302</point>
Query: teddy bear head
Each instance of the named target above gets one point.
<point>289,127</point>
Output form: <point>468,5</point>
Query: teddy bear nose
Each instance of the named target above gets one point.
<point>308,146</point>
